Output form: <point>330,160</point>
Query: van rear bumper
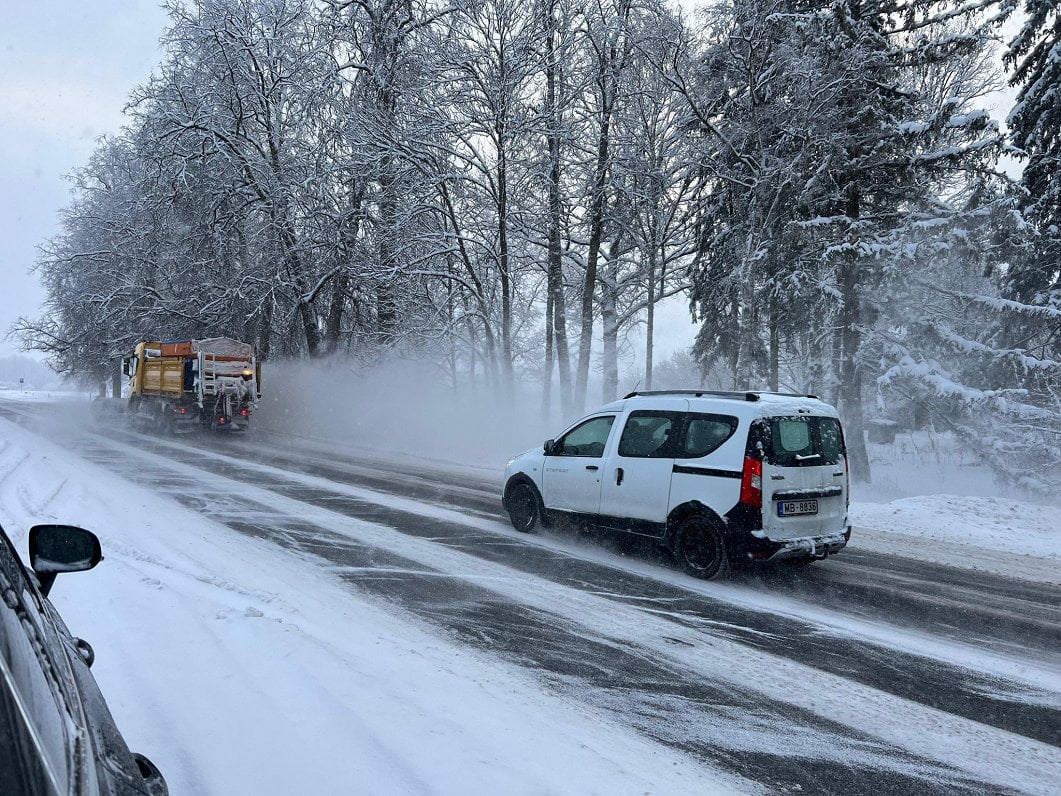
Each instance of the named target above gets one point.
<point>802,546</point>
<point>758,547</point>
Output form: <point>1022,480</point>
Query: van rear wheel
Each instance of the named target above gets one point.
<point>701,550</point>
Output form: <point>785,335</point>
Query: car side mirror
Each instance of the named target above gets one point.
<point>549,448</point>
<point>61,548</point>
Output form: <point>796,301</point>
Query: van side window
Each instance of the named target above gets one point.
<point>648,435</point>
<point>705,433</point>
<point>587,439</point>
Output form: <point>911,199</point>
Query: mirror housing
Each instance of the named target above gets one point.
<point>61,548</point>
<point>84,649</point>
<point>152,776</point>
<point>549,447</point>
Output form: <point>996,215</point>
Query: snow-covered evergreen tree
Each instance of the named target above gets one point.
<point>1034,55</point>
<point>838,140</point>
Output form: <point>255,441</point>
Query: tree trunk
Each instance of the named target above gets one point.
<point>734,322</point>
<point>333,325</point>
<point>386,300</point>
<point>337,307</point>
<point>452,337</point>
<point>610,331</point>
<point>547,370</point>
<point>265,328</point>
<point>503,263</point>
<point>308,313</point>
<point>589,282</point>
<point>556,314</point>
<point>748,320</point>
<point>650,321</point>
<point>836,378</point>
<point>850,390</point>
<point>774,375</point>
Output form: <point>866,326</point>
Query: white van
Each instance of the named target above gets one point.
<point>715,476</point>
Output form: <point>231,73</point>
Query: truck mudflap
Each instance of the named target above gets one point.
<point>816,547</point>
<point>230,424</point>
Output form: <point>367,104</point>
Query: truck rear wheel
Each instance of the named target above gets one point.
<point>165,422</point>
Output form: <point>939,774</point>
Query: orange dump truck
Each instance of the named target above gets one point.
<point>180,384</point>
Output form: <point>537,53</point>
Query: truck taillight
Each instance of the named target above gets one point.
<point>751,483</point>
<point>245,412</point>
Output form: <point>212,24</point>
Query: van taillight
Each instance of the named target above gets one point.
<point>751,483</point>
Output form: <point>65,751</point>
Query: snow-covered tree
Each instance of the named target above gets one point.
<point>830,149</point>
<point>1034,56</point>
<point>652,187</point>
<point>492,62</point>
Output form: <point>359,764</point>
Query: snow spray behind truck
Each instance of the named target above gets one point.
<point>178,384</point>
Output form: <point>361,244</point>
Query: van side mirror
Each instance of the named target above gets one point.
<point>61,548</point>
<point>549,448</point>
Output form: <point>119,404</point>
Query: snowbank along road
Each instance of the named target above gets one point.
<point>866,673</point>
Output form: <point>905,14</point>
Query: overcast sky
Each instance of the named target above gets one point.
<point>66,70</point>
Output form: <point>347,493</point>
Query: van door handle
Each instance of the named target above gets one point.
<point>592,467</point>
<point>618,476</point>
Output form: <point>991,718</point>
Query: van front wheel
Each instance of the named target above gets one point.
<point>701,550</point>
<point>524,507</point>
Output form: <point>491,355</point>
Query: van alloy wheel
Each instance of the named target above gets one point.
<point>523,508</point>
<point>701,549</point>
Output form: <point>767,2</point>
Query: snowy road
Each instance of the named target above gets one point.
<point>867,673</point>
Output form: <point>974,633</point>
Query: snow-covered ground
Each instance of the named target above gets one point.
<point>241,668</point>
<point>930,501</point>
<point>992,534</point>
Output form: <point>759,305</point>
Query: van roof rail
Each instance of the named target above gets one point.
<point>741,396</point>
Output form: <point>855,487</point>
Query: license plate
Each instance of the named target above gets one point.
<point>790,508</point>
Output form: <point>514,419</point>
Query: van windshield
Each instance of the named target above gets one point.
<point>801,441</point>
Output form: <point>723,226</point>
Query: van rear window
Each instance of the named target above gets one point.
<point>801,441</point>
